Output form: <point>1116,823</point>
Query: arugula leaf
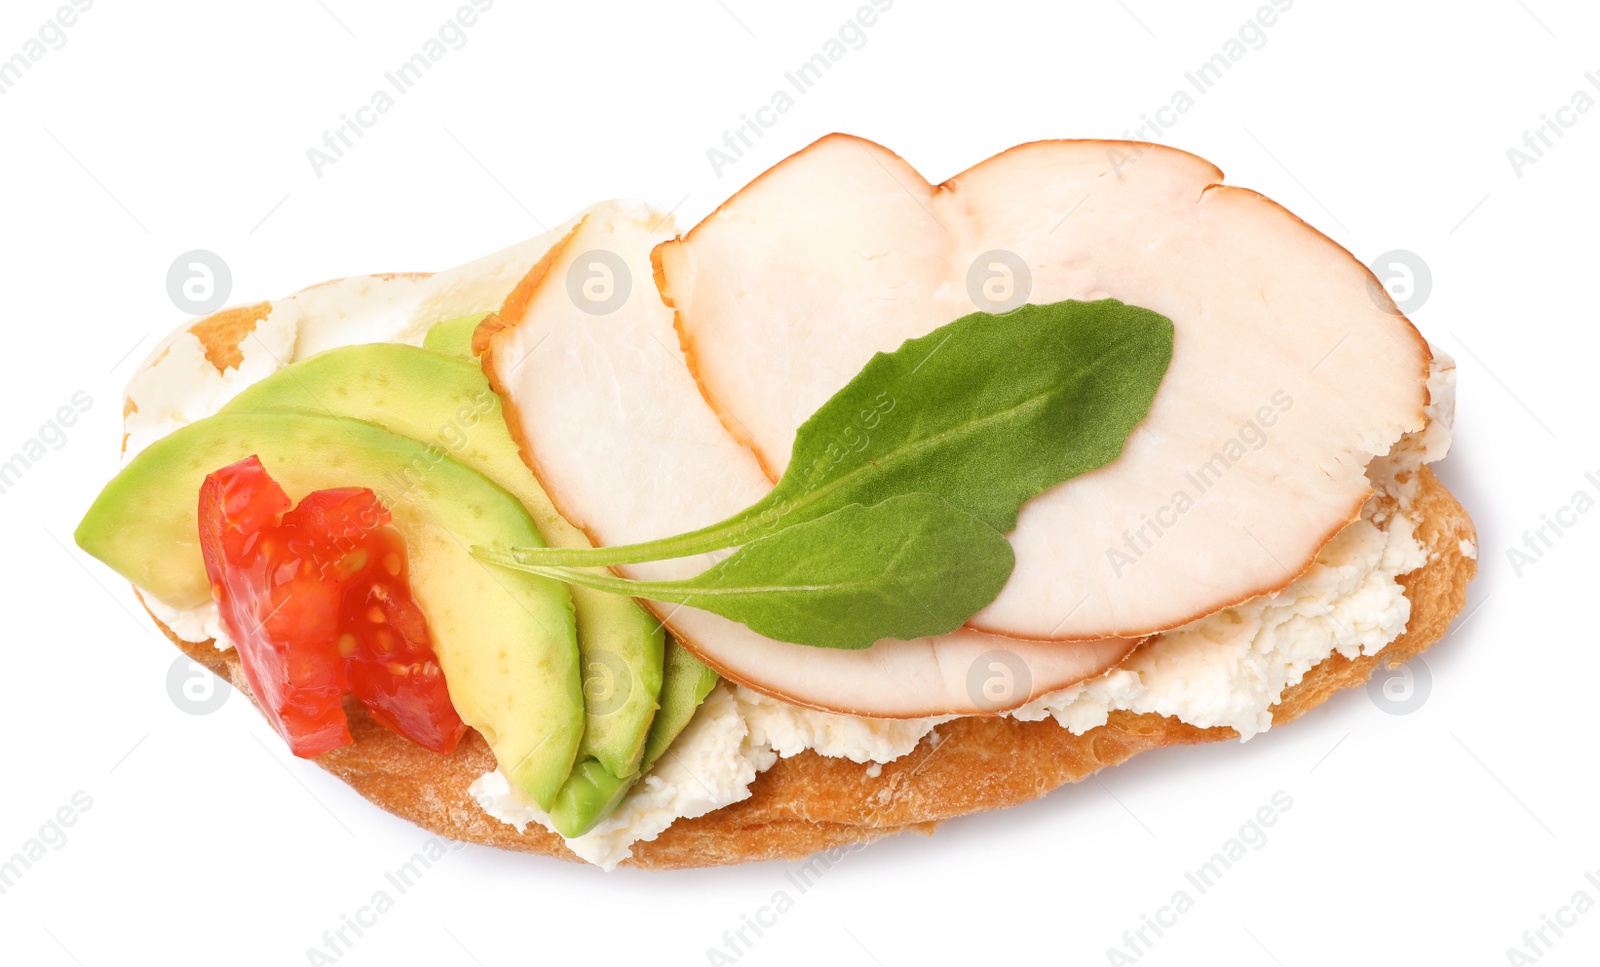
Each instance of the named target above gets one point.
<point>911,566</point>
<point>986,412</point>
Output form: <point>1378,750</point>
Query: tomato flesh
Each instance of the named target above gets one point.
<point>318,602</point>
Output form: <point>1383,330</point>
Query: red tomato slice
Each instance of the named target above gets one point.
<point>318,602</point>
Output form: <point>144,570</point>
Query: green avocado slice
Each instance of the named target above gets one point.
<point>506,641</point>
<point>446,401</point>
<point>592,793</point>
<point>453,337</point>
<point>687,682</point>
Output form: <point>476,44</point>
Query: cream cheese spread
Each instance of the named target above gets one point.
<point>177,384</point>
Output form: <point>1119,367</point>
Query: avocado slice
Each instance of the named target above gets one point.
<point>686,684</point>
<point>453,337</point>
<point>446,401</point>
<point>505,641</point>
<point>592,793</point>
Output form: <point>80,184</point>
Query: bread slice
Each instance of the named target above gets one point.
<point>809,803</point>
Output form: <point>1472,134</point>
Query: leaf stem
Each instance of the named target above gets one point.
<point>714,538</point>
<point>674,591</point>
<point>598,580</point>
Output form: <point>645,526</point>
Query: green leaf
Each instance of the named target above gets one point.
<point>911,566</point>
<point>987,412</point>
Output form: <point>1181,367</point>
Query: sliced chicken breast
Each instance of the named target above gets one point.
<point>599,395</point>
<point>1291,367</point>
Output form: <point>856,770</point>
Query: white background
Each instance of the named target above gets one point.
<point>1433,837</point>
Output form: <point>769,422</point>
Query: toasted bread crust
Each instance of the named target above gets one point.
<point>809,803</point>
